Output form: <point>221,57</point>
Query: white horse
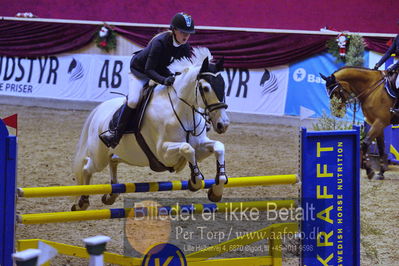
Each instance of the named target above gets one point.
<point>173,128</point>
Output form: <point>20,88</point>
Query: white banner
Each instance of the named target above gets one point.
<point>90,77</point>
<point>256,91</point>
<point>74,77</point>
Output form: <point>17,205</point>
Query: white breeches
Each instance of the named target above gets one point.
<point>135,89</point>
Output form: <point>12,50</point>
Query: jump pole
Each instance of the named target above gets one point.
<point>59,191</point>
<point>154,211</point>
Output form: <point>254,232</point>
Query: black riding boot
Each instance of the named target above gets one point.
<point>112,137</point>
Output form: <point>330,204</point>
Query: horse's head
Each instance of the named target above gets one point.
<point>212,89</point>
<point>338,95</point>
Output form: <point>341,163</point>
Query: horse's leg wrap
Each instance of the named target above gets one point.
<point>196,174</point>
<point>215,193</point>
<point>221,174</point>
<point>196,178</point>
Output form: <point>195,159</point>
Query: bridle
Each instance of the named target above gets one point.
<point>210,107</point>
<point>205,114</point>
<point>342,93</point>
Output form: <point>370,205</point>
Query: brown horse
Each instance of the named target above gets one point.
<point>366,86</point>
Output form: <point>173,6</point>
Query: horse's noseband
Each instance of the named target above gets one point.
<point>336,86</point>
<point>331,91</point>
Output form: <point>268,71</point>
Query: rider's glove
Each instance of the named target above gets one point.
<point>169,81</point>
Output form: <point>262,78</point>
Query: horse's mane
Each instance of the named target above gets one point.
<point>354,67</point>
<point>198,56</point>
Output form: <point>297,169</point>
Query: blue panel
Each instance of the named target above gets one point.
<point>330,197</point>
<point>10,188</point>
<point>3,176</point>
<point>118,188</point>
<point>394,141</point>
<point>8,161</point>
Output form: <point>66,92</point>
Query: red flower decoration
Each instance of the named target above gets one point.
<point>103,43</point>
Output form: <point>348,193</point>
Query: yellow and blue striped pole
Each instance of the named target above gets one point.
<point>152,211</point>
<point>59,191</point>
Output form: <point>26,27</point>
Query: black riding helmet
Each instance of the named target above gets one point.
<point>183,22</point>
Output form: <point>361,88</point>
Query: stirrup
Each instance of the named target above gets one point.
<point>109,138</point>
<point>394,111</point>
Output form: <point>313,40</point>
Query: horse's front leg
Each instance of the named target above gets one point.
<point>174,150</point>
<point>383,156</point>
<point>215,193</point>
<point>376,130</point>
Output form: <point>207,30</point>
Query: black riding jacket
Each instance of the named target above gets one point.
<point>394,49</point>
<point>154,59</point>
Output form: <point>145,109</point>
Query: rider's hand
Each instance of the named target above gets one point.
<point>376,67</point>
<point>169,81</point>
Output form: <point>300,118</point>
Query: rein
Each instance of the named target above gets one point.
<point>194,110</point>
<point>372,88</point>
<point>208,109</point>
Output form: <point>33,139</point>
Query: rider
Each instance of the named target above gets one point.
<point>152,63</point>
<point>393,50</point>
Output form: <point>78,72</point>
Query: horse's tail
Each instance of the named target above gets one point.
<point>82,150</point>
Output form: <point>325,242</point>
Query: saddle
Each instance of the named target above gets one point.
<point>134,127</point>
<point>136,119</point>
<point>390,85</point>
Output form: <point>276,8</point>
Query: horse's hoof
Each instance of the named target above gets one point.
<point>379,177</point>
<point>194,186</point>
<point>212,197</point>
<point>370,175</point>
<point>109,199</point>
<point>83,204</point>
<point>80,207</point>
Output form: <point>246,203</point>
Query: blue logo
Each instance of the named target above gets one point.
<point>75,70</point>
<point>268,82</point>
<point>164,254</point>
<point>299,74</point>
